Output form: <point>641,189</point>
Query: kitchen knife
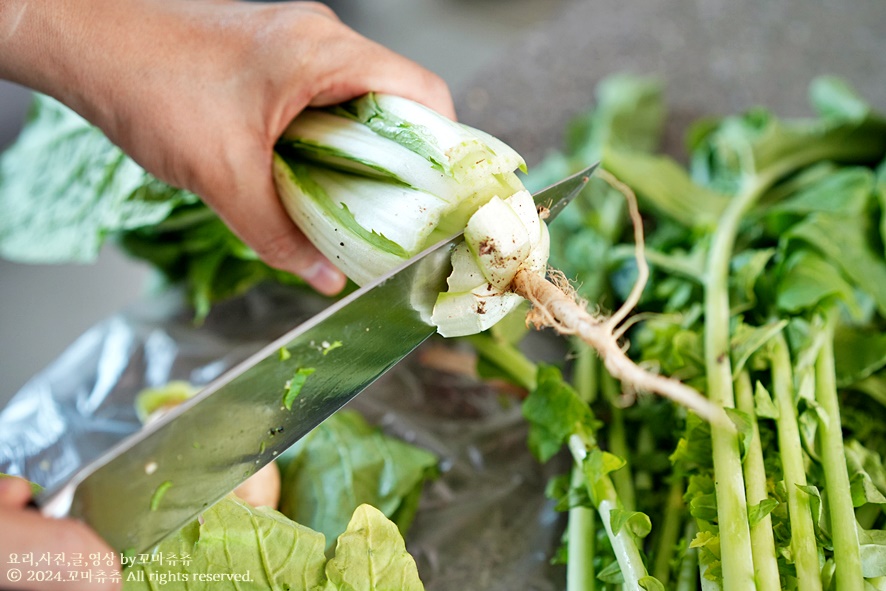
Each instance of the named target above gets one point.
<point>152,483</point>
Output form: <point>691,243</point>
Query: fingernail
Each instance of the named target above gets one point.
<point>325,278</point>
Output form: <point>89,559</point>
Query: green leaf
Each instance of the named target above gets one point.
<point>636,522</point>
<point>747,340</point>
<point>554,411</point>
<point>744,424</point>
<point>661,183</point>
<point>747,268</point>
<point>764,406</point>
<point>834,99</point>
<point>64,188</point>
<point>707,540</point>
<point>264,548</point>
<point>863,491</point>
<point>867,476</point>
<point>371,555</point>
<point>704,507</point>
<point>611,574</point>
<point>874,387</point>
<point>817,507</point>
<point>694,447</point>
<point>757,512</point>
<point>872,546</point>
<point>701,497</point>
<point>881,198</point>
<point>846,191</point>
<point>859,352</point>
<point>561,490</point>
<point>651,584</point>
<point>809,280</point>
<point>345,462</point>
<point>843,241</point>
<point>236,546</point>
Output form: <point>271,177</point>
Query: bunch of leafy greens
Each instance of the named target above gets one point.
<point>65,189</point>
<point>768,293</point>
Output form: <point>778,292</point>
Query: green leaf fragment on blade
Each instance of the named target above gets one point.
<point>293,386</point>
<point>159,493</point>
<point>326,347</point>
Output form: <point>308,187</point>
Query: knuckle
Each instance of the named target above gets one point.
<point>281,252</point>
<point>321,9</point>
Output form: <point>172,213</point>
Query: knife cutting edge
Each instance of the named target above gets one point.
<point>158,479</point>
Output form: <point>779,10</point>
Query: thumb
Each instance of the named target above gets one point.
<point>14,493</point>
<point>26,533</point>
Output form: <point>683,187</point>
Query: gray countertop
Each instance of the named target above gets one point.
<point>713,56</point>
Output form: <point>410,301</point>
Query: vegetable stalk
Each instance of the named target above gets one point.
<point>581,533</point>
<point>843,525</point>
<point>605,498</point>
<point>762,539</point>
<point>735,535</point>
<point>803,546</point>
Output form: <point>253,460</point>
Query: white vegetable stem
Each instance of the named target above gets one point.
<point>502,238</point>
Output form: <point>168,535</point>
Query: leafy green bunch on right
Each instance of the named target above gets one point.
<point>768,294</point>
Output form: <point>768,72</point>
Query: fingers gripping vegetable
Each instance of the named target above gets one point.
<point>376,180</point>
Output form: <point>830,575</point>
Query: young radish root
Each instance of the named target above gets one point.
<point>555,305</point>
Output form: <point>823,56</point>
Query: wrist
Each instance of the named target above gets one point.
<point>43,43</point>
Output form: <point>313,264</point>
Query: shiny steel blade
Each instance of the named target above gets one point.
<point>162,477</point>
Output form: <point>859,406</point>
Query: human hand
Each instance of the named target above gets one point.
<point>25,531</point>
<point>198,92</point>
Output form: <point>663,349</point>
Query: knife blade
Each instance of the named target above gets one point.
<point>157,480</point>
